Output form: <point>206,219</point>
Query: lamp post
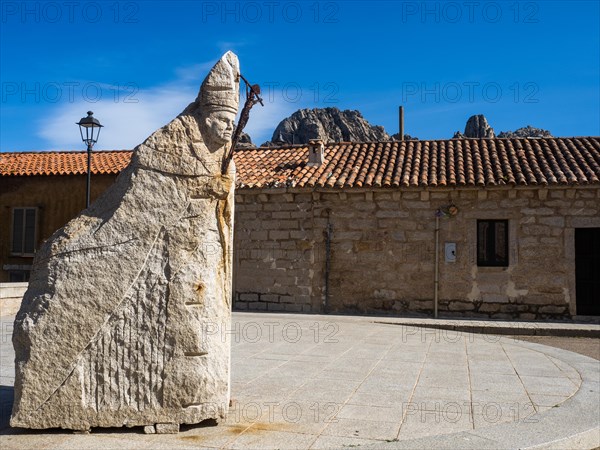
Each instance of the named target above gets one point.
<point>89,124</point>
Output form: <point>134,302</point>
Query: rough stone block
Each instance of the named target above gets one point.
<point>391,214</point>
<point>439,195</point>
<point>279,235</point>
<point>292,307</point>
<point>257,306</point>
<point>261,235</point>
<point>289,224</point>
<point>514,202</point>
<point>398,236</point>
<point>536,230</point>
<point>494,298</point>
<point>378,196</point>
<point>461,306</point>
<point>248,297</point>
<point>302,198</point>
<point>489,308</point>
<point>543,299</point>
<point>527,316</point>
<point>416,204</point>
<point>503,316</point>
<point>275,307</point>
<point>586,193</point>
<point>537,211</point>
<point>410,195</point>
<point>550,309</point>
<point>240,306</point>
<point>167,428</point>
<point>584,222</point>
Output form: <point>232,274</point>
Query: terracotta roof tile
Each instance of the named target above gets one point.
<point>63,163</point>
<point>455,162</point>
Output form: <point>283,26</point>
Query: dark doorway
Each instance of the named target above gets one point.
<point>587,271</point>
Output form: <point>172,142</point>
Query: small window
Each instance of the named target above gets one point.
<point>18,276</point>
<point>24,231</point>
<point>492,243</point>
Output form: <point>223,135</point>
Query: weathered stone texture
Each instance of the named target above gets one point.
<point>111,331</point>
<point>382,251</point>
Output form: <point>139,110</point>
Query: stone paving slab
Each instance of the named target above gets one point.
<point>308,381</point>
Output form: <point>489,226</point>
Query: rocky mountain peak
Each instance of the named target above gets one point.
<point>478,127</point>
<point>527,131</point>
<point>329,124</point>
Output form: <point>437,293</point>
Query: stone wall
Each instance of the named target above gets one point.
<point>382,251</point>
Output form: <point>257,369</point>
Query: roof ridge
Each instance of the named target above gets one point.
<point>450,163</point>
<point>60,152</point>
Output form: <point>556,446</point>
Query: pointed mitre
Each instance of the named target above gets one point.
<point>221,89</point>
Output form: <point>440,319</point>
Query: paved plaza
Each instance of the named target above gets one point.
<point>314,381</point>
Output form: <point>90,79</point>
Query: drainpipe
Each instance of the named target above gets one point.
<point>328,233</point>
<point>436,282</point>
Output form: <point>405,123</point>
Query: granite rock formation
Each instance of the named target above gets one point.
<point>477,127</point>
<point>527,131</point>
<point>328,124</point>
<point>122,322</point>
<point>245,141</point>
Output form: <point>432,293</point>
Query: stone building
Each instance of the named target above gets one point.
<point>39,193</point>
<point>354,227</point>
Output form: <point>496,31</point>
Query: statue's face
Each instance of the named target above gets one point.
<point>220,126</point>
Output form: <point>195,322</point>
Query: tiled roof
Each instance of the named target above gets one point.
<point>63,163</point>
<point>454,162</point>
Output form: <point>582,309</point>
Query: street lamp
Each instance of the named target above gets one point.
<point>90,124</point>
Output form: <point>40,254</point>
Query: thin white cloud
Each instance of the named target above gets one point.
<point>126,124</point>
<point>133,118</point>
<point>128,118</point>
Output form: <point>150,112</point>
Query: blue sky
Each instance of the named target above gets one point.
<point>137,64</point>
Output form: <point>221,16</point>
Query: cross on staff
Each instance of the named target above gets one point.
<point>252,98</point>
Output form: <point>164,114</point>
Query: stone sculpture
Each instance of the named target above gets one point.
<point>119,325</point>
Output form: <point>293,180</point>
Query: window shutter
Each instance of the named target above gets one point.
<point>24,231</point>
<point>17,242</point>
<point>29,240</point>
